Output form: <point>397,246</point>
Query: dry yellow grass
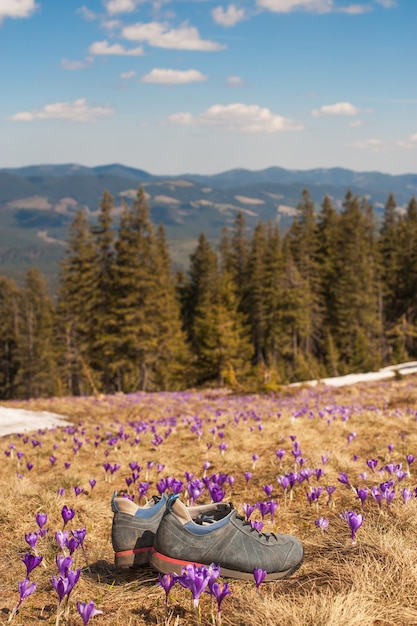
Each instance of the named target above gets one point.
<point>373,582</point>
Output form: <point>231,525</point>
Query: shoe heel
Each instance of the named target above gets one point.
<point>132,558</point>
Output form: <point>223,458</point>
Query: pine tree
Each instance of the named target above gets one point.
<point>38,367</point>
<point>76,308</point>
<point>235,255</point>
<point>149,349</point>
<point>358,324</point>
<point>200,288</point>
<point>173,356</point>
<point>10,338</point>
<point>273,286</point>
<point>327,254</point>
<point>254,299</point>
<point>406,289</point>
<point>304,245</point>
<point>222,346</point>
<point>103,327</point>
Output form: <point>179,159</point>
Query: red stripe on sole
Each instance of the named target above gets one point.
<point>169,559</point>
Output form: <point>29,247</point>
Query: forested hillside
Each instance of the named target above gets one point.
<point>335,293</point>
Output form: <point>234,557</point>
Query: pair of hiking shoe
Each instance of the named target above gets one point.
<point>168,536</point>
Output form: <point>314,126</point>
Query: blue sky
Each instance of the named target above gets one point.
<point>203,86</point>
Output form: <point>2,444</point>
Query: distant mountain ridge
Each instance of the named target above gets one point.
<point>38,202</point>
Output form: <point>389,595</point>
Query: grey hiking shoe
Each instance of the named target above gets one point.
<point>134,527</point>
<point>230,542</point>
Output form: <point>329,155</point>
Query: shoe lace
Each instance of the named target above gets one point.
<point>253,529</point>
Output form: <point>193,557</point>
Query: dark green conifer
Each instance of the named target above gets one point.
<point>38,373</point>
<point>76,308</point>
<point>10,337</point>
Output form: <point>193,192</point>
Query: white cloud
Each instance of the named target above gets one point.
<point>410,143</point>
<point>313,6</point>
<point>67,64</point>
<point>173,77</point>
<point>77,111</point>
<point>182,119</point>
<point>111,24</point>
<point>121,6</point>
<point>103,47</point>
<point>235,81</point>
<point>16,8</point>
<point>86,14</point>
<point>387,4</point>
<point>230,17</point>
<point>127,75</point>
<point>354,9</point>
<point>340,108</point>
<point>161,36</point>
<point>367,144</point>
<point>285,6</point>
<point>356,123</point>
<point>239,117</point>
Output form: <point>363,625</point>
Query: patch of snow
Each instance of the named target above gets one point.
<point>246,200</point>
<point>21,420</point>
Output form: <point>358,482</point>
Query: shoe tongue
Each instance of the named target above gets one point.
<point>180,510</point>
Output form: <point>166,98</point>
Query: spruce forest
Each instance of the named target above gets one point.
<point>336,293</point>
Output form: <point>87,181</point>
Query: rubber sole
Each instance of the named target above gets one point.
<point>165,565</point>
<point>132,558</point>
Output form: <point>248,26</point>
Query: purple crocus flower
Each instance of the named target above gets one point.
<point>79,534</point>
<point>257,525</point>
<point>216,493</point>
<point>63,564</point>
<point>167,581</point>
<point>248,476</point>
<point>259,575</point>
<point>219,593</point>
<point>78,490</point>
<point>72,544</point>
<point>25,590</point>
<point>31,561</point>
<point>362,494</point>
<point>279,454</point>
<point>353,520</point>
<point>73,577</point>
<point>344,479</point>
<point>372,463</point>
<point>273,505</point>
<point>377,495</point>
<point>268,489</point>
<point>41,519</point>
<point>263,508</point>
<point>67,514</point>
<point>31,539</point>
<point>406,495</point>
<point>195,579</point>
<point>248,509</point>
<point>61,537</point>
<point>61,586</point>
<point>322,523</point>
<point>87,611</point>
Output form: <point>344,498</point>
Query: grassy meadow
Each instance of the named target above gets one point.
<point>363,436</point>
